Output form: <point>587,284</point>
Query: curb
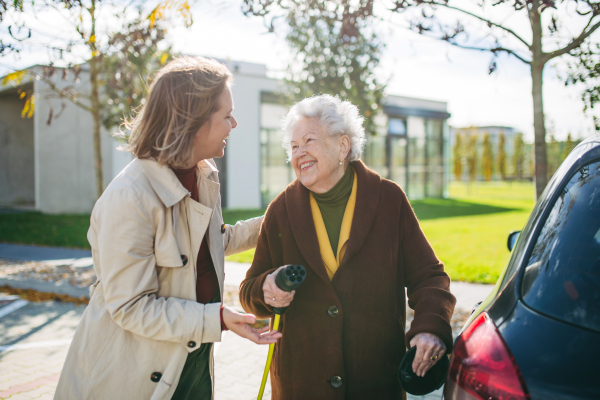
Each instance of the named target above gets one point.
<point>22,252</point>
<point>48,287</point>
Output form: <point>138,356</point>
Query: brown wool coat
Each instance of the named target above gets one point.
<point>365,342</point>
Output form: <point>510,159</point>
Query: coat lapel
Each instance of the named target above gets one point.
<point>297,202</point>
<point>367,203</point>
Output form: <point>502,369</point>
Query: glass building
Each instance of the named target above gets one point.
<point>410,149</point>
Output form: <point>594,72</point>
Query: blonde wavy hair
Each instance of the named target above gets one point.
<point>183,96</point>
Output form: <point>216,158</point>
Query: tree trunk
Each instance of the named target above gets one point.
<point>96,106</point>
<point>540,156</point>
<point>538,62</point>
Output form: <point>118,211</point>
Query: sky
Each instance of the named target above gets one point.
<point>414,65</point>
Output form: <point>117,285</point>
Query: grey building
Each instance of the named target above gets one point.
<point>47,163</point>
<point>49,167</point>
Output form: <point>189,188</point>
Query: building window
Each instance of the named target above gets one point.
<point>417,157</point>
<point>434,129</point>
<point>374,154</point>
<point>411,154</point>
<point>397,126</point>
<point>276,173</point>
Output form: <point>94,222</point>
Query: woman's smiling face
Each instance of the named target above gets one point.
<point>316,156</point>
<point>210,140</point>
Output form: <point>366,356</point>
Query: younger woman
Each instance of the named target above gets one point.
<point>158,243</point>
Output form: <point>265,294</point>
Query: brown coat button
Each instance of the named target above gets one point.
<point>184,259</point>
<point>155,377</point>
<point>191,344</point>
<point>223,229</point>
<point>333,311</point>
<point>336,381</point>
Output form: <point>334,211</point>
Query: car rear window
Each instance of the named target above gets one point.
<point>562,277</point>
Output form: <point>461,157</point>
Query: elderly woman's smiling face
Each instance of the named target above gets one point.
<point>316,155</point>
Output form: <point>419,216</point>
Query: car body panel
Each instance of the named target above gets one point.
<point>557,360</point>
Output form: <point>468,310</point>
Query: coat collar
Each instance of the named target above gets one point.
<point>207,167</point>
<point>365,211</point>
<point>166,184</point>
<point>297,200</point>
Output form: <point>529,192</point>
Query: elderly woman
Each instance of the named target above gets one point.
<point>357,236</point>
<point>158,243</point>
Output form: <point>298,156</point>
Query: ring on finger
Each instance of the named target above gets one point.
<point>434,358</point>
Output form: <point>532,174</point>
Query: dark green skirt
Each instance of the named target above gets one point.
<point>195,382</point>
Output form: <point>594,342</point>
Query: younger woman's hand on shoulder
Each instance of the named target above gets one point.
<point>238,323</point>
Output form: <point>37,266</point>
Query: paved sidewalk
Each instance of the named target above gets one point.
<point>34,339</point>
<point>33,345</point>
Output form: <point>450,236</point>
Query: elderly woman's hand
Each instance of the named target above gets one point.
<point>274,296</point>
<point>430,349</point>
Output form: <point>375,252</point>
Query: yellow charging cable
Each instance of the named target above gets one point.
<point>269,357</point>
<point>287,279</point>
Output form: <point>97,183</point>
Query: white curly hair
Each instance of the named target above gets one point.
<point>337,118</point>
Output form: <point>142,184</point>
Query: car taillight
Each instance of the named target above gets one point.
<point>483,366</point>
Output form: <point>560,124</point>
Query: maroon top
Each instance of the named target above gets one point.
<point>207,282</point>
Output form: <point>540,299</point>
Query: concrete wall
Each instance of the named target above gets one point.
<point>17,183</point>
<point>243,146</point>
<point>65,179</point>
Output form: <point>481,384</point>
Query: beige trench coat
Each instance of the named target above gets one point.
<point>142,320</point>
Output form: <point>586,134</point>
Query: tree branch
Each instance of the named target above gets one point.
<point>577,41</point>
<point>493,50</point>
<point>487,21</point>
<point>65,94</point>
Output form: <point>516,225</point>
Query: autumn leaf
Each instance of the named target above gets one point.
<point>157,13</point>
<point>26,107</point>
<point>31,107</point>
<point>14,77</point>
<point>182,8</point>
<point>164,58</point>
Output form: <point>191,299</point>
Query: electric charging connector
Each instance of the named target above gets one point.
<point>287,279</point>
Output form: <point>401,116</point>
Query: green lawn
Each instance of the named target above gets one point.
<point>45,230</point>
<point>467,231</point>
<point>68,230</point>
<point>473,246</point>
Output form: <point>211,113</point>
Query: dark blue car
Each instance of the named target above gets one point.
<point>537,336</point>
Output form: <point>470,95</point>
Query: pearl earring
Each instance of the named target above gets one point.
<point>340,163</point>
